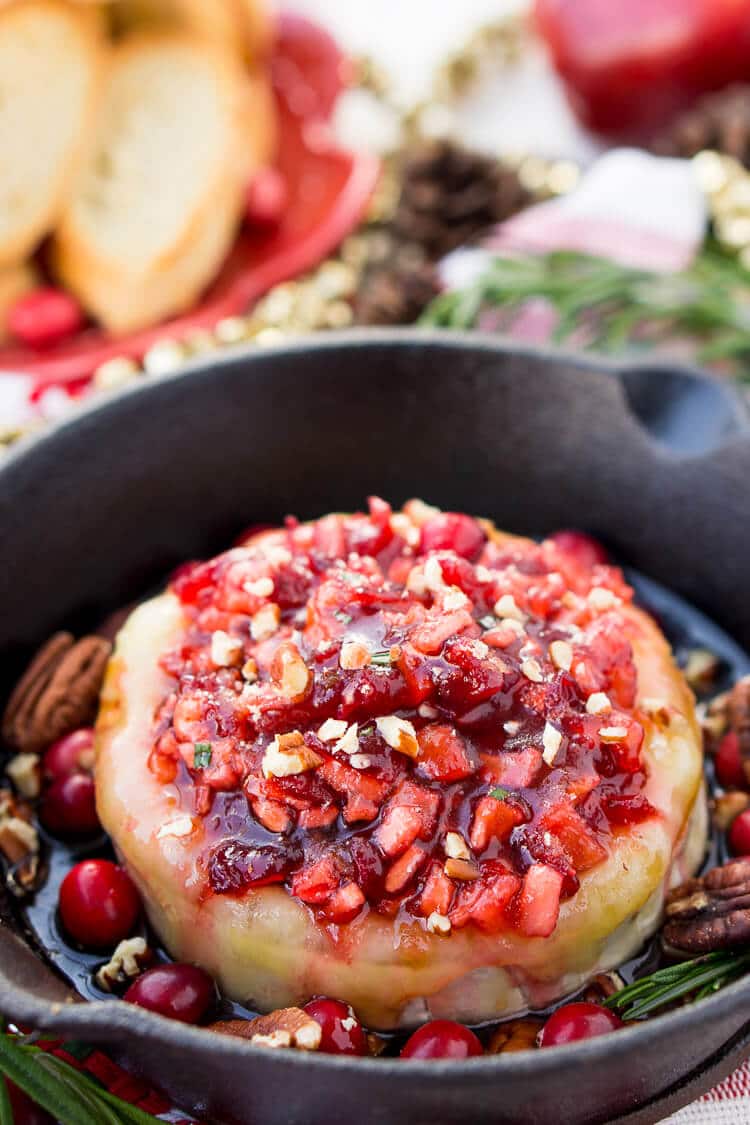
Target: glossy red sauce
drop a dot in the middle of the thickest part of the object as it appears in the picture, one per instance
(469, 649)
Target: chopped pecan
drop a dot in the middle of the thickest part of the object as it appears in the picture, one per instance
(126, 963)
(701, 668)
(58, 692)
(712, 912)
(25, 771)
(19, 843)
(602, 986)
(516, 1035)
(287, 1027)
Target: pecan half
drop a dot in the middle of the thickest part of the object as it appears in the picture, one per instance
(516, 1035)
(58, 692)
(710, 913)
(286, 1027)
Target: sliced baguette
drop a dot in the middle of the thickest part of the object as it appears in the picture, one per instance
(159, 198)
(243, 25)
(51, 60)
(15, 282)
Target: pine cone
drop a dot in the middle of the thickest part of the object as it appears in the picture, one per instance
(396, 290)
(450, 194)
(718, 121)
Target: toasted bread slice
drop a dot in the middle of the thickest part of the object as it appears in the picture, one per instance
(15, 282)
(50, 63)
(243, 25)
(159, 198)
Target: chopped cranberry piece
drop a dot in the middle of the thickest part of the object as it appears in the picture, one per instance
(410, 813)
(316, 883)
(539, 903)
(579, 841)
(179, 992)
(485, 902)
(437, 892)
(494, 820)
(343, 1034)
(401, 873)
(577, 1021)
(443, 754)
(99, 906)
(344, 904)
(453, 531)
(729, 765)
(233, 867)
(584, 549)
(442, 1039)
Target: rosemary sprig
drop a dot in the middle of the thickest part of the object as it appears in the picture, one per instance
(382, 659)
(608, 306)
(697, 978)
(69, 1095)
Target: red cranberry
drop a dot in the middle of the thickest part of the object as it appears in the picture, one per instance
(577, 1021)
(68, 807)
(453, 531)
(45, 317)
(343, 1034)
(729, 763)
(179, 992)
(267, 198)
(99, 906)
(586, 550)
(442, 1039)
(739, 834)
(72, 754)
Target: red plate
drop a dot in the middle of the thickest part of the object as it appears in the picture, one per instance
(328, 188)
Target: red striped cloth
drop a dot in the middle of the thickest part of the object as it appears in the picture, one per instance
(727, 1104)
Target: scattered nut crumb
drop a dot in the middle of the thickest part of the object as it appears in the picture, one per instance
(598, 703)
(265, 622)
(332, 729)
(126, 963)
(561, 655)
(399, 734)
(289, 755)
(463, 869)
(507, 607)
(456, 847)
(532, 670)
(226, 651)
(24, 770)
(551, 741)
(438, 923)
(354, 655)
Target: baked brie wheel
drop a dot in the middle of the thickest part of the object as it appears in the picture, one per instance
(402, 759)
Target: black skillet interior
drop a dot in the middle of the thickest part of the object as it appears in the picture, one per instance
(654, 461)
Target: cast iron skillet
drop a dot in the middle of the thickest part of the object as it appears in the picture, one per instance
(653, 460)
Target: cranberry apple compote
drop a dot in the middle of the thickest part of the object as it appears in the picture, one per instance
(403, 759)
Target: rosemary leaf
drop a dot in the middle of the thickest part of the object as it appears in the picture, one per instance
(6, 1110)
(698, 978)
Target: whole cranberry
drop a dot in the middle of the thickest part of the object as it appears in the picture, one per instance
(587, 551)
(728, 762)
(739, 834)
(343, 1034)
(98, 904)
(453, 531)
(267, 198)
(442, 1039)
(68, 807)
(45, 317)
(72, 754)
(577, 1021)
(179, 992)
